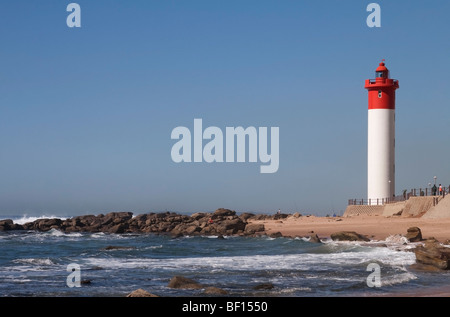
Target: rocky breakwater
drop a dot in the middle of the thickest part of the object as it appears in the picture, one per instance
(221, 222)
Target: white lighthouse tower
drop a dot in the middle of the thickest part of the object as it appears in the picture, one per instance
(381, 137)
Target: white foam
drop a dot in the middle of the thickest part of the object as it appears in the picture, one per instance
(153, 247)
(341, 246)
(73, 234)
(35, 261)
(25, 218)
(396, 239)
(98, 235)
(16, 280)
(308, 261)
(397, 279)
(295, 290)
(55, 233)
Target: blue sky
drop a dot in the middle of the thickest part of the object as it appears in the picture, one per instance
(86, 114)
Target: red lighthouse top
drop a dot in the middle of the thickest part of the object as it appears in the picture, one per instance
(382, 89)
(381, 68)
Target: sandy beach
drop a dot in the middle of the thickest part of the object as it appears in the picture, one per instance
(374, 227)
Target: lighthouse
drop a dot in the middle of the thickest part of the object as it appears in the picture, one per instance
(381, 136)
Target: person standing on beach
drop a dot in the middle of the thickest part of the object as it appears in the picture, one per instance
(434, 189)
(440, 190)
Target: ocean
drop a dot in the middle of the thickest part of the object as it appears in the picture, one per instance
(39, 264)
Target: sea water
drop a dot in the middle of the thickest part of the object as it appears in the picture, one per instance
(35, 264)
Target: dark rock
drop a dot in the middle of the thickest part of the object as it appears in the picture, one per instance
(45, 224)
(246, 215)
(211, 290)
(75, 223)
(72, 229)
(209, 230)
(90, 228)
(113, 219)
(414, 234)
(264, 286)
(199, 215)
(122, 215)
(7, 223)
(348, 236)
(280, 216)
(160, 215)
(119, 228)
(183, 282)
(431, 240)
(115, 247)
(254, 227)
(179, 219)
(192, 229)
(105, 222)
(222, 212)
(141, 293)
(434, 254)
(260, 217)
(85, 220)
(231, 226)
(164, 226)
(29, 226)
(178, 230)
(424, 267)
(276, 235)
(16, 226)
(177, 235)
(140, 218)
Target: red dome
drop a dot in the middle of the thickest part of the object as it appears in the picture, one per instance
(381, 68)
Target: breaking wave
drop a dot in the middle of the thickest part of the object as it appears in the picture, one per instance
(35, 261)
(25, 218)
